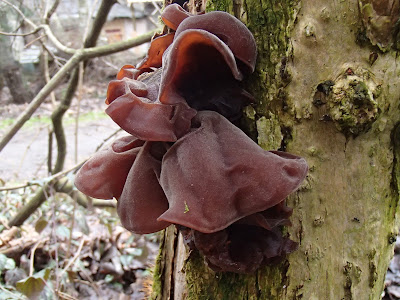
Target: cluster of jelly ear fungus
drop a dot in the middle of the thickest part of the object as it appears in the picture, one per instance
(184, 162)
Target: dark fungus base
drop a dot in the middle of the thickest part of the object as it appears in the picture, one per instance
(184, 162)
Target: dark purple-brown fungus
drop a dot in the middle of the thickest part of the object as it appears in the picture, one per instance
(206, 62)
(241, 179)
(184, 162)
(128, 171)
(133, 105)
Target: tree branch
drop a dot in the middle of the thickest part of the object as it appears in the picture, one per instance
(21, 34)
(59, 76)
(51, 11)
(64, 105)
(62, 185)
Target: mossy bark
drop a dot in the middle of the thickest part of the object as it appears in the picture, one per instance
(325, 92)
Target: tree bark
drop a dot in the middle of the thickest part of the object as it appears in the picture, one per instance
(327, 88)
(13, 78)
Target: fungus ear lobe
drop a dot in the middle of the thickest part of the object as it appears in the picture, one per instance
(154, 55)
(103, 175)
(195, 67)
(143, 200)
(244, 178)
(173, 15)
(151, 121)
(129, 71)
(229, 30)
(117, 88)
(241, 248)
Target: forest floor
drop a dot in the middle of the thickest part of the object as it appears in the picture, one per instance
(63, 250)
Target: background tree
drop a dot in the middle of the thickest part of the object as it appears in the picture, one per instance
(10, 69)
(327, 88)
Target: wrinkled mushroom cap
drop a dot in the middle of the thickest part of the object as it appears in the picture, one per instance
(133, 105)
(173, 15)
(229, 30)
(216, 175)
(142, 199)
(103, 175)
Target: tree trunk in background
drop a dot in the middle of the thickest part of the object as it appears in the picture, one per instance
(13, 79)
(327, 88)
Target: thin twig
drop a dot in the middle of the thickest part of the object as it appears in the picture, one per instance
(34, 40)
(74, 197)
(32, 260)
(50, 151)
(78, 111)
(27, 149)
(53, 231)
(74, 258)
(47, 76)
(51, 11)
(107, 139)
(21, 34)
(65, 295)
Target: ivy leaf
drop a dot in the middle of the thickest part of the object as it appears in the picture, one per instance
(33, 285)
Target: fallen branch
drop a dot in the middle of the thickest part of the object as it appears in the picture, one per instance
(63, 185)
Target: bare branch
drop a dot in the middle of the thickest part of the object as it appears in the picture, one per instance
(59, 76)
(21, 34)
(51, 11)
(62, 185)
(90, 40)
(34, 40)
(55, 41)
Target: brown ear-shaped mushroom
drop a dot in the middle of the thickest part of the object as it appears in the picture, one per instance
(173, 15)
(117, 88)
(150, 121)
(154, 55)
(245, 245)
(239, 248)
(143, 200)
(103, 176)
(129, 71)
(133, 106)
(201, 70)
(228, 29)
(242, 179)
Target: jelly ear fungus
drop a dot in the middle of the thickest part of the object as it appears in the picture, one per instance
(184, 162)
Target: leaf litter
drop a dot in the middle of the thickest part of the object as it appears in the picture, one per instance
(98, 259)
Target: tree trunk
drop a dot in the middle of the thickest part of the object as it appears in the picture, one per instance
(13, 78)
(327, 88)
